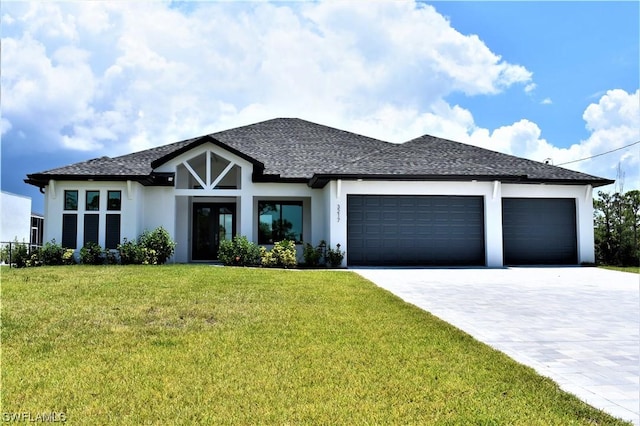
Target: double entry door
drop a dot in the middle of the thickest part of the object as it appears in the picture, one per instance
(212, 223)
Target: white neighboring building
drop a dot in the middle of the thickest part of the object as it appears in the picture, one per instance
(16, 218)
(428, 201)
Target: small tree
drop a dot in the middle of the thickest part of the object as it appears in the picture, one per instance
(617, 224)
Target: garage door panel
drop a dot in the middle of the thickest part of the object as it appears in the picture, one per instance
(539, 231)
(415, 230)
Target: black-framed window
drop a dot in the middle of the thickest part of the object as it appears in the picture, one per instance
(93, 201)
(279, 220)
(112, 231)
(114, 200)
(71, 200)
(70, 231)
(91, 225)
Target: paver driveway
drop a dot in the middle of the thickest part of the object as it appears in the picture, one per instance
(578, 326)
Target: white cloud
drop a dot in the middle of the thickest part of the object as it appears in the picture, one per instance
(91, 66)
(614, 122)
(111, 77)
(546, 101)
(5, 126)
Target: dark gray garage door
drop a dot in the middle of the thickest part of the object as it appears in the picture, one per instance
(415, 230)
(539, 231)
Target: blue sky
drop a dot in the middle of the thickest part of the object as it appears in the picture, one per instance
(541, 80)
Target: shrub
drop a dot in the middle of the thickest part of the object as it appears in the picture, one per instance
(68, 257)
(152, 248)
(335, 257)
(92, 254)
(33, 260)
(130, 253)
(282, 255)
(312, 255)
(4, 254)
(51, 254)
(158, 244)
(20, 256)
(239, 252)
(111, 257)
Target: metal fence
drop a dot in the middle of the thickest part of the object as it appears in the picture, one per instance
(9, 250)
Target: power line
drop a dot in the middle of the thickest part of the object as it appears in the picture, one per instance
(599, 155)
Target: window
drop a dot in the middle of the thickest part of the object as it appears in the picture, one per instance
(93, 201)
(91, 222)
(113, 200)
(279, 220)
(71, 200)
(69, 230)
(112, 237)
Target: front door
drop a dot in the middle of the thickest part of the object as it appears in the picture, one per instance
(212, 223)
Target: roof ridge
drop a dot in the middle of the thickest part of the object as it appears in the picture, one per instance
(495, 152)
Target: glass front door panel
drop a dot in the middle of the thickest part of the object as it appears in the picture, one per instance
(225, 221)
(212, 223)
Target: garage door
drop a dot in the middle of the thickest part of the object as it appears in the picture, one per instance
(415, 230)
(539, 231)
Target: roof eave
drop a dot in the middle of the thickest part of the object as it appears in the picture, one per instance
(200, 141)
(320, 180)
(153, 179)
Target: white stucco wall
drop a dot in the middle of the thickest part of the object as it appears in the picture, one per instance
(15, 212)
(163, 210)
(337, 191)
(54, 208)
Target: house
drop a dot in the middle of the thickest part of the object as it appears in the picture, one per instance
(15, 215)
(428, 201)
(18, 224)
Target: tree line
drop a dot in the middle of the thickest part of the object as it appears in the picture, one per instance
(617, 219)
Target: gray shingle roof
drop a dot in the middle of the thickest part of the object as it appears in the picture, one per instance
(294, 149)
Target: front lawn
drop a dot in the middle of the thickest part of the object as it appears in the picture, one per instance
(192, 344)
(631, 269)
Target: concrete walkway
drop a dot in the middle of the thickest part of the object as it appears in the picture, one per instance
(578, 326)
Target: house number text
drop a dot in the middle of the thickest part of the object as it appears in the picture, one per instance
(338, 212)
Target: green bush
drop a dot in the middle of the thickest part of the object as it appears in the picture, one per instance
(239, 252)
(20, 255)
(110, 257)
(68, 257)
(4, 254)
(130, 253)
(51, 254)
(157, 246)
(282, 255)
(152, 248)
(335, 257)
(92, 254)
(312, 255)
(266, 258)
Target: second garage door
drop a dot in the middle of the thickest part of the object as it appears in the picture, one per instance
(539, 231)
(415, 230)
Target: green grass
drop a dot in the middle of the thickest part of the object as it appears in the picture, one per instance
(632, 269)
(209, 345)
